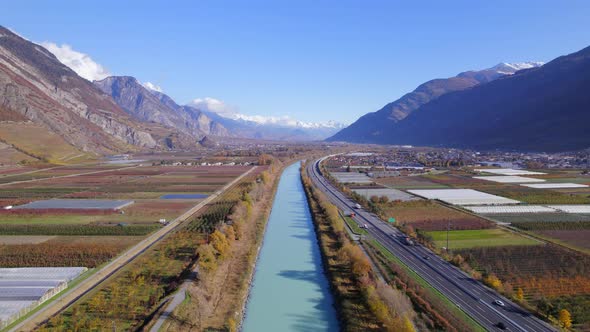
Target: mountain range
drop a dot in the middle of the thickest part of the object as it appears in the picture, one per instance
(543, 108)
(376, 127)
(49, 112)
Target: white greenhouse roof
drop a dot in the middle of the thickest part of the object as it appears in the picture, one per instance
(510, 209)
(508, 171)
(41, 273)
(508, 179)
(555, 185)
(11, 308)
(23, 287)
(572, 208)
(463, 196)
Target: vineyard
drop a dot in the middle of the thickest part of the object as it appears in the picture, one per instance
(78, 230)
(552, 225)
(64, 252)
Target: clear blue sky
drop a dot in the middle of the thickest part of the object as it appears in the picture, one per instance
(312, 60)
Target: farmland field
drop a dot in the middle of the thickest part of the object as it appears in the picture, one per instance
(24, 239)
(409, 182)
(464, 239)
(556, 217)
(431, 216)
(578, 238)
(536, 196)
(81, 237)
(65, 251)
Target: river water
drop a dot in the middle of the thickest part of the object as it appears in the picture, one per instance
(290, 291)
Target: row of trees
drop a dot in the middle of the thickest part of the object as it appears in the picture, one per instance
(77, 230)
(351, 273)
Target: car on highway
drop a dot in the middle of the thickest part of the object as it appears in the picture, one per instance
(502, 326)
(357, 206)
(499, 303)
(426, 257)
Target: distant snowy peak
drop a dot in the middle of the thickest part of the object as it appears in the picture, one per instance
(283, 121)
(511, 68)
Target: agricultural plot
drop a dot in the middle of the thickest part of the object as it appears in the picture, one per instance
(463, 197)
(508, 171)
(554, 217)
(578, 238)
(510, 209)
(536, 196)
(24, 239)
(71, 221)
(409, 182)
(351, 177)
(77, 204)
(464, 239)
(391, 194)
(455, 180)
(509, 179)
(431, 216)
(555, 185)
(88, 251)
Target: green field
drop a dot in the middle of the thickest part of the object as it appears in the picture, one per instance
(466, 239)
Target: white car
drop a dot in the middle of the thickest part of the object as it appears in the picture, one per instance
(499, 303)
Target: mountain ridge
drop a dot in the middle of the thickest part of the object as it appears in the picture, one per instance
(537, 109)
(370, 126)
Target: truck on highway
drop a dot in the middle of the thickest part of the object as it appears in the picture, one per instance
(349, 214)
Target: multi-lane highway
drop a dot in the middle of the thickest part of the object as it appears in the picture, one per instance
(467, 293)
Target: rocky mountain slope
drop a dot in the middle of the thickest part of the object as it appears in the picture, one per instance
(375, 127)
(35, 87)
(153, 106)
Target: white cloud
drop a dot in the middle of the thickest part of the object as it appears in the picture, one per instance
(79, 62)
(213, 105)
(221, 108)
(152, 86)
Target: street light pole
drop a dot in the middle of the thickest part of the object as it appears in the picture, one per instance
(448, 229)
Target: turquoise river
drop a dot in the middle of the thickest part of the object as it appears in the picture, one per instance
(290, 291)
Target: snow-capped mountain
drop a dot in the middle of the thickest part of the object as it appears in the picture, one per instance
(264, 127)
(511, 68)
(283, 121)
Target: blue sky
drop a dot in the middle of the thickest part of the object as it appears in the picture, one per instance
(311, 60)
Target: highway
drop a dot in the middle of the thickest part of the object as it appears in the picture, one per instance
(470, 295)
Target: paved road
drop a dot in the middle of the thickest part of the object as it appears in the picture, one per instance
(470, 295)
(71, 296)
